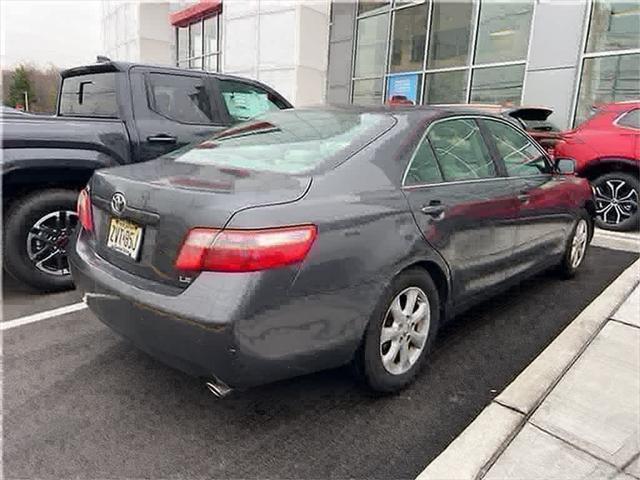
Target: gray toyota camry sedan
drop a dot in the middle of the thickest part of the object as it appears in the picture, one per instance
(307, 239)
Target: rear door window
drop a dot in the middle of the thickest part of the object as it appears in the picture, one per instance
(245, 101)
(423, 167)
(630, 119)
(519, 154)
(181, 98)
(460, 150)
(92, 95)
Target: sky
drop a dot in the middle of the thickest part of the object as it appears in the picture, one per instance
(43, 32)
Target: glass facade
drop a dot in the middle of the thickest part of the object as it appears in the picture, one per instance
(198, 44)
(441, 51)
(610, 69)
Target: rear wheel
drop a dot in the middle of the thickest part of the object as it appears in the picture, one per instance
(616, 196)
(37, 230)
(400, 332)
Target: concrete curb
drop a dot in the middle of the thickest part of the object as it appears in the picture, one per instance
(473, 452)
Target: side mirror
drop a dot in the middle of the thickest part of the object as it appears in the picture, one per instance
(566, 166)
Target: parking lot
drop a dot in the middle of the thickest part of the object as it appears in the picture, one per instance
(81, 402)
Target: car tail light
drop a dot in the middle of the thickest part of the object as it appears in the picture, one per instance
(245, 250)
(85, 215)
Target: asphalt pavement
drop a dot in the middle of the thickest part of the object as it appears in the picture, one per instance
(80, 402)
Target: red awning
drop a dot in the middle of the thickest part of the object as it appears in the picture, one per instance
(195, 12)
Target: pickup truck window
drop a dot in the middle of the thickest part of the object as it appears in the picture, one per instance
(245, 101)
(91, 95)
(181, 98)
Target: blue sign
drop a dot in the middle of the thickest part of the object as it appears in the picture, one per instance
(402, 89)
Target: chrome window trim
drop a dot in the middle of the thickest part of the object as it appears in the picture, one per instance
(473, 180)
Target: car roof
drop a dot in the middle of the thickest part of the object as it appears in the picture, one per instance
(116, 66)
(619, 106)
(413, 110)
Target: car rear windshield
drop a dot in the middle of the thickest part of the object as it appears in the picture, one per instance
(290, 141)
(91, 95)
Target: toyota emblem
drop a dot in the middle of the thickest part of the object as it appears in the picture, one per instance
(118, 203)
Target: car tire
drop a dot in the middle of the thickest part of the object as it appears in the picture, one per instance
(577, 245)
(373, 362)
(611, 186)
(24, 214)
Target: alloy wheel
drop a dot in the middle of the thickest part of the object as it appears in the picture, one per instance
(404, 330)
(579, 243)
(47, 242)
(616, 201)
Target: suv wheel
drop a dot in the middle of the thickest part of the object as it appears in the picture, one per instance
(37, 230)
(616, 196)
(400, 332)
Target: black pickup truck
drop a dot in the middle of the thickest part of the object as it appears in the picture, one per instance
(108, 114)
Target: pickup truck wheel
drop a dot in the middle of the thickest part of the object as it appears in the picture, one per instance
(37, 230)
(616, 196)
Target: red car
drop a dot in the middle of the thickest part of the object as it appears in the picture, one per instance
(606, 149)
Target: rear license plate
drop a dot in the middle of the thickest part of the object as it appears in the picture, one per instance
(124, 237)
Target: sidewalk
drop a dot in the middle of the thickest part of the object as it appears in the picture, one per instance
(574, 413)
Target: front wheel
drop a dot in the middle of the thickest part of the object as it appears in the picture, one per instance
(400, 332)
(577, 245)
(37, 230)
(616, 196)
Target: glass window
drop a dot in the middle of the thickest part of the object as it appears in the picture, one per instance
(630, 119)
(614, 26)
(608, 79)
(445, 87)
(211, 63)
(408, 37)
(502, 85)
(367, 92)
(371, 46)
(368, 6)
(196, 39)
(461, 151)
(183, 43)
(91, 95)
(450, 34)
(289, 141)
(521, 157)
(211, 35)
(245, 101)
(424, 166)
(181, 98)
(503, 32)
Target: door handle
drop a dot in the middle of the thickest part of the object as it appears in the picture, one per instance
(162, 138)
(434, 209)
(524, 196)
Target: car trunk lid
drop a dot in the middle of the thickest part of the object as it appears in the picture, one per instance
(167, 198)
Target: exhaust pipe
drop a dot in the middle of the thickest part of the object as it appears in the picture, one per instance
(218, 388)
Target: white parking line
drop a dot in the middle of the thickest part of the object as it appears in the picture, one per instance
(36, 317)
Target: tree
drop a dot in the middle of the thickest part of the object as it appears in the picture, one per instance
(19, 85)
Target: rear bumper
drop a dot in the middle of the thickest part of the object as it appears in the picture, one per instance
(206, 330)
(151, 323)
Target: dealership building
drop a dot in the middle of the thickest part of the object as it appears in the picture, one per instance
(568, 55)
